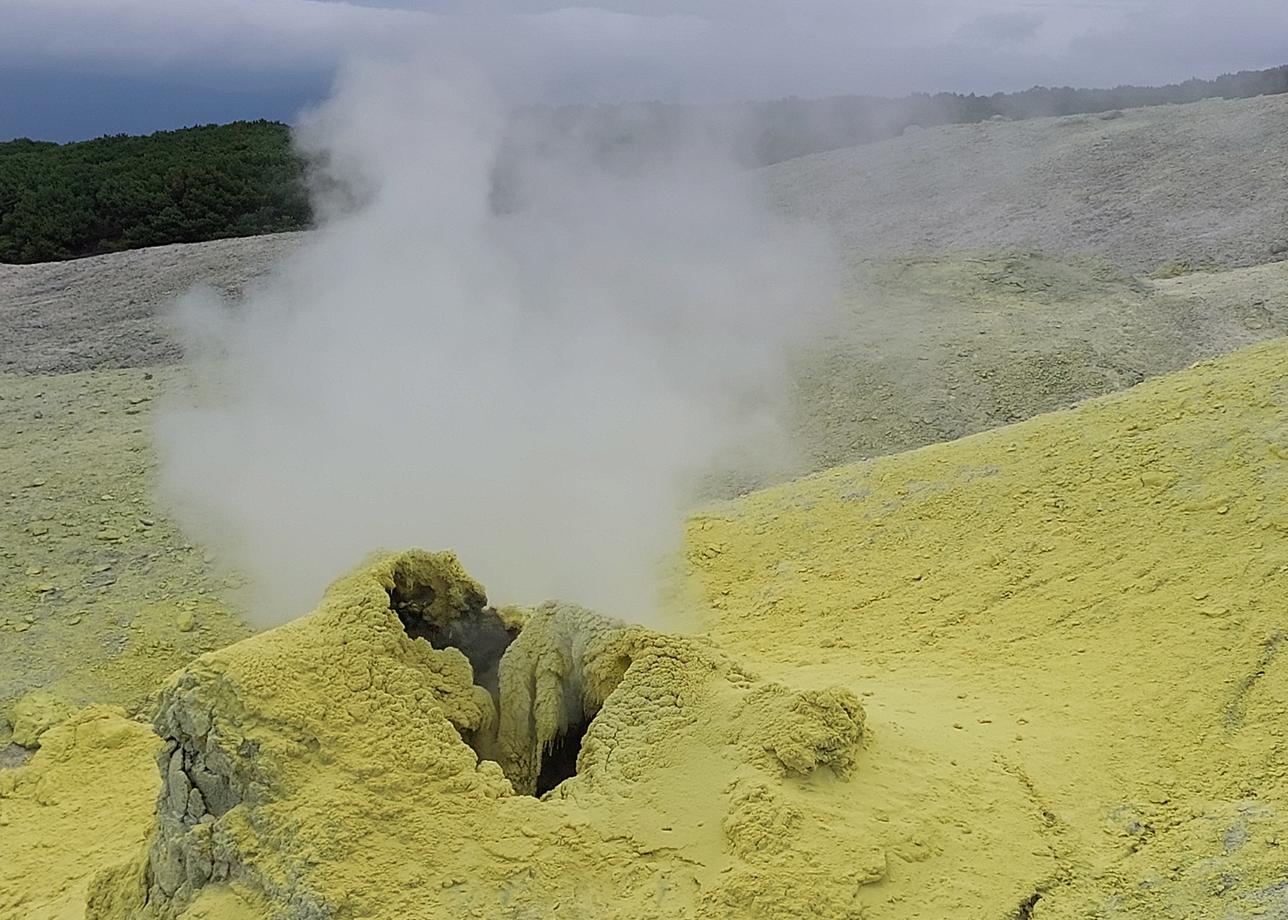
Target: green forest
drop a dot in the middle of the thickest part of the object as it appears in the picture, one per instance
(62, 201)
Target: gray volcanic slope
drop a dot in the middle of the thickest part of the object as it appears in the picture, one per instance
(1205, 183)
(105, 311)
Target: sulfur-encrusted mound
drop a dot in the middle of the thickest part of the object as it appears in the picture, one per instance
(342, 695)
(331, 767)
(806, 730)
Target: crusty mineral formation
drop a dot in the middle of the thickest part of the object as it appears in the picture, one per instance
(380, 758)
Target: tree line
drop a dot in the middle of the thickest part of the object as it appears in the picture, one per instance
(60, 201)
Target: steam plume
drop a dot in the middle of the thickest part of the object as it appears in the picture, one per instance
(504, 342)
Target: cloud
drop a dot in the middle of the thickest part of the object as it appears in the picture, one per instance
(669, 50)
(711, 47)
(1188, 39)
(138, 35)
(1002, 28)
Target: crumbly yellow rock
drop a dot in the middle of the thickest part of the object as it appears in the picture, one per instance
(79, 809)
(34, 714)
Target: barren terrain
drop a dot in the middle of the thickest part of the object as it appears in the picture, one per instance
(1034, 672)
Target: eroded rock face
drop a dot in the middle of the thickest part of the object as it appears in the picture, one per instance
(341, 765)
(344, 691)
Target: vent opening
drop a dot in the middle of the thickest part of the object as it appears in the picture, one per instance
(536, 753)
(478, 633)
(559, 760)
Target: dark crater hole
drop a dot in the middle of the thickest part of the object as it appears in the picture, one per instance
(482, 637)
(559, 760)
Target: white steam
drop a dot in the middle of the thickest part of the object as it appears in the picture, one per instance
(512, 345)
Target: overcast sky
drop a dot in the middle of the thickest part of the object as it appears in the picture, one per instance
(79, 68)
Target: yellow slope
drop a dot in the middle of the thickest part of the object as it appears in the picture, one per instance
(1095, 600)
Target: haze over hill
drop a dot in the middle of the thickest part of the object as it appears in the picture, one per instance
(244, 178)
(969, 305)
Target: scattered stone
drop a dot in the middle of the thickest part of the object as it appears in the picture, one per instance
(35, 714)
(185, 621)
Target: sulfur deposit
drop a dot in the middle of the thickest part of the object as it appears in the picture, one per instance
(78, 810)
(1087, 608)
(1034, 673)
(330, 768)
